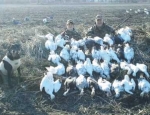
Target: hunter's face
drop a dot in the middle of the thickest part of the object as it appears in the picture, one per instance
(70, 26)
(99, 22)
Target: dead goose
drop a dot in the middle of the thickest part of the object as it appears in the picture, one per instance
(49, 85)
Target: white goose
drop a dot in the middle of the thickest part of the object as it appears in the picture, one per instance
(81, 83)
(105, 55)
(125, 34)
(50, 44)
(117, 87)
(96, 67)
(55, 58)
(80, 68)
(88, 66)
(144, 86)
(81, 55)
(65, 54)
(74, 53)
(59, 69)
(49, 36)
(113, 55)
(59, 40)
(77, 43)
(105, 86)
(125, 66)
(96, 54)
(98, 40)
(106, 69)
(128, 53)
(128, 84)
(134, 68)
(49, 85)
(107, 39)
(143, 68)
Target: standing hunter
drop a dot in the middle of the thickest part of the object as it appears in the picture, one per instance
(99, 29)
(70, 31)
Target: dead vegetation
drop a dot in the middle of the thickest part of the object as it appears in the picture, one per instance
(26, 99)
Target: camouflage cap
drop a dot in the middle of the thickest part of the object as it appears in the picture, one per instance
(70, 21)
(99, 17)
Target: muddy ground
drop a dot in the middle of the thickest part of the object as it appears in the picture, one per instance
(25, 98)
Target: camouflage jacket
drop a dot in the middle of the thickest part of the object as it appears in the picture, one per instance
(71, 34)
(99, 31)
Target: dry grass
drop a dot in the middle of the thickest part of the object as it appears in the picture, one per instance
(25, 98)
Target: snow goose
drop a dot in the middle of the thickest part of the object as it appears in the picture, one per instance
(146, 11)
(49, 36)
(15, 21)
(105, 55)
(125, 34)
(81, 83)
(88, 66)
(117, 87)
(96, 67)
(79, 43)
(107, 39)
(50, 45)
(59, 40)
(96, 53)
(125, 66)
(128, 84)
(134, 68)
(143, 68)
(55, 58)
(93, 85)
(81, 55)
(128, 53)
(106, 69)
(74, 53)
(49, 85)
(59, 69)
(45, 20)
(105, 86)
(80, 68)
(113, 55)
(143, 85)
(98, 40)
(70, 83)
(65, 54)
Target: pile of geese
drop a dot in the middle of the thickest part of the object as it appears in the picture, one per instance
(99, 64)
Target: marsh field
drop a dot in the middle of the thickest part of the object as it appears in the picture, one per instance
(24, 98)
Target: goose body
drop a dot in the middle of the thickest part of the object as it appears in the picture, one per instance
(117, 87)
(143, 68)
(88, 66)
(128, 84)
(81, 83)
(80, 68)
(49, 85)
(65, 54)
(55, 58)
(106, 69)
(144, 86)
(105, 86)
(128, 53)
